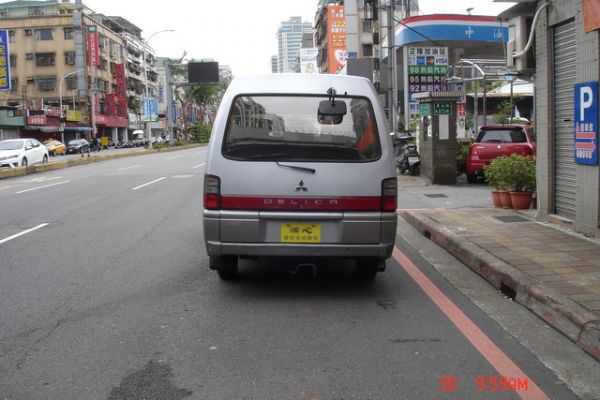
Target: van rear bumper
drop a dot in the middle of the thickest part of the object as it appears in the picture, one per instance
(381, 250)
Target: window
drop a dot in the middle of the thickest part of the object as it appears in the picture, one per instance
(46, 82)
(44, 34)
(113, 68)
(13, 83)
(71, 82)
(13, 60)
(68, 32)
(501, 136)
(286, 128)
(44, 59)
(29, 56)
(69, 57)
(27, 32)
(101, 85)
(103, 64)
(11, 36)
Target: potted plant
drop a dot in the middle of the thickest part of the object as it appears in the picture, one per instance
(493, 175)
(520, 179)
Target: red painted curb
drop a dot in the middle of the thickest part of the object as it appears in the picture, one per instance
(571, 319)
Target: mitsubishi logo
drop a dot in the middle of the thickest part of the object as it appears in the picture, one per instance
(301, 188)
(469, 32)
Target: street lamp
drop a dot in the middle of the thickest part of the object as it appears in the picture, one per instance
(146, 95)
(62, 124)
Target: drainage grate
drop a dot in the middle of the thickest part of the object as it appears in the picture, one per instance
(511, 218)
(436, 195)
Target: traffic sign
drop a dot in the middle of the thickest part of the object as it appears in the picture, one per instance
(586, 123)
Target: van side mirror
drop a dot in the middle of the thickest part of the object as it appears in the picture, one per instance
(331, 112)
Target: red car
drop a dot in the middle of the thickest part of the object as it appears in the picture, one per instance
(495, 141)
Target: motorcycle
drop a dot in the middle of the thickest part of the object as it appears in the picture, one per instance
(406, 156)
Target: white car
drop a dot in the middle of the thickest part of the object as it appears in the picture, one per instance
(22, 152)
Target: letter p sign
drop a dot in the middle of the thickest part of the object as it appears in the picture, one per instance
(586, 99)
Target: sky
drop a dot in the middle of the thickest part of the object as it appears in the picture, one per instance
(238, 33)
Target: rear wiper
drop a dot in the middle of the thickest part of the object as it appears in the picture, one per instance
(311, 170)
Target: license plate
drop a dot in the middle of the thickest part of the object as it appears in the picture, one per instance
(292, 232)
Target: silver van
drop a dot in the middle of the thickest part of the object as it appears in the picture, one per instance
(300, 167)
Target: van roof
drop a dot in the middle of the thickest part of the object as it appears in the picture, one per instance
(301, 83)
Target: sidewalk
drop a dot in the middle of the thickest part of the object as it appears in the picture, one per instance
(552, 272)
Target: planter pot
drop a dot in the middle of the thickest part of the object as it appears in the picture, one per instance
(521, 200)
(505, 199)
(496, 199)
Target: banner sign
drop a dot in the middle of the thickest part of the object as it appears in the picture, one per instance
(336, 38)
(120, 82)
(34, 104)
(74, 115)
(93, 49)
(4, 61)
(586, 123)
(308, 60)
(150, 110)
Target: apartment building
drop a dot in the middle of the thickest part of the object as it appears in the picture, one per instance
(51, 65)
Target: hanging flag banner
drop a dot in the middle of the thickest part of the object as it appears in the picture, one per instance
(93, 50)
(4, 61)
(150, 109)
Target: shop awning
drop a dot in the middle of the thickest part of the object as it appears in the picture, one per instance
(42, 128)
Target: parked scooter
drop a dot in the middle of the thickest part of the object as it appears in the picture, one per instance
(405, 154)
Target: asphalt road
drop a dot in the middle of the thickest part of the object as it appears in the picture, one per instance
(105, 293)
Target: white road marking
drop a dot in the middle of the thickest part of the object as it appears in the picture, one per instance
(133, 166)
(42, 187)
(182, 176)
(174, 157)
(23, 233)
(201, 152)
(149, 183)
(199, 165)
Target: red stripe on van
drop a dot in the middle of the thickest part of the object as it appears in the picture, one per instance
(301, 203)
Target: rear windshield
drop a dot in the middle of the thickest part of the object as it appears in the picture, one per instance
(286, 128)
(501, 136)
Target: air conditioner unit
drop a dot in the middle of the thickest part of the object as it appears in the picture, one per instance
(518, 32)
(29, 56)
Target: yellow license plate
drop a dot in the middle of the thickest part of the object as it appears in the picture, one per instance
(300, 233)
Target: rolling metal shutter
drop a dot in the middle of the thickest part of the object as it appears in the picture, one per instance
(565, 171)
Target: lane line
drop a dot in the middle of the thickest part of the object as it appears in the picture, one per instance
(488, 349)
(199, 165)
(23, 233)
(174, 157)
(201, 152)
(42, 187)
(149, 183)
(126, 168)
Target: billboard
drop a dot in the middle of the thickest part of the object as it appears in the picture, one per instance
(93, 49)
(150, 109)
(4, 61)
(336, 38)
(203, 72)
(308, 60)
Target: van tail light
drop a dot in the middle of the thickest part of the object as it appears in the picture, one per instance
(212, 192)
(389, 194)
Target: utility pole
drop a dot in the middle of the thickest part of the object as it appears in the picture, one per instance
(392, 68)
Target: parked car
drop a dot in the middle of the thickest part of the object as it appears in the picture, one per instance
(495, 141)
(78, 146)
(300, 167)
(55, 147)
(22, 152)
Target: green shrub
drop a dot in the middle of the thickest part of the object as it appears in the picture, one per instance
(514, 172)
(200, 133)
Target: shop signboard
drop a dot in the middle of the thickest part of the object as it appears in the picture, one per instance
(442, 108)
(4, 61)
(586, 123)
(427, 71)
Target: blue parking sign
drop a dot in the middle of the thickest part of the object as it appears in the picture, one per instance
(586, 123)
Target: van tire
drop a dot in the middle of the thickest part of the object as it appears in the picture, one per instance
(226, 266)
(367, 267)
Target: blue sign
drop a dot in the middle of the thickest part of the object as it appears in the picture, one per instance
(4, 61)
(150, 109)
(586, 123)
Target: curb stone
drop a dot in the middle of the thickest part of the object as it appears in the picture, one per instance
(571, 319)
